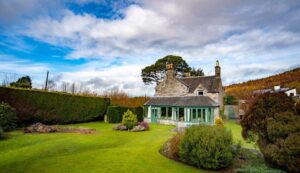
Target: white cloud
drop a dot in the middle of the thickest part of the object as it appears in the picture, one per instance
(250, 38)
(164, 26)
(125, 78)
(12, 68)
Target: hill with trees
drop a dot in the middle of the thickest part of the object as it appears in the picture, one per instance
(289, 79)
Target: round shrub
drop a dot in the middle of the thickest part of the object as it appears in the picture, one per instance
(115, 113)
(219, 122)
(8, 117)
(129, 119)
(208, 147)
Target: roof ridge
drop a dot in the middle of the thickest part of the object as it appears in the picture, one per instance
(177, 96)
(196, 77)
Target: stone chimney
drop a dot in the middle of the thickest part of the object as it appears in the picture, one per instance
(187, 74)
(218, 75)
(218, 69)
(170, 70)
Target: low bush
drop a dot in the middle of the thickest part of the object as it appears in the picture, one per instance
(115, 113)
(144, 124)
(129, 119)
(219, 122)
(171, 148)
(52, 107)
(8, 117)
(208, 147)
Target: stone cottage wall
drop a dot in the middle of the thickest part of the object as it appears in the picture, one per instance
(171, 87)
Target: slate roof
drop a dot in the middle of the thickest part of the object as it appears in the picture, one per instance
(263, 91)
(209, 82)
(181, 101)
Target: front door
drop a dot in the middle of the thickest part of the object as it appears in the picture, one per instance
(154, 116)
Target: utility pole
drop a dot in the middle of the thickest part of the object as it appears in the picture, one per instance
(46, 83)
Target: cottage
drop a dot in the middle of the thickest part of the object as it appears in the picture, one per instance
(187, 100)
(292, 92)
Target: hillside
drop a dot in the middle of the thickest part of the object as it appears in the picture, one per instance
(289, 78)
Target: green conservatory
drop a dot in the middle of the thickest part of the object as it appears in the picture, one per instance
(181, 111)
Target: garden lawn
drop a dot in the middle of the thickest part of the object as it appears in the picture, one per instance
(106, 151)
(236, 130)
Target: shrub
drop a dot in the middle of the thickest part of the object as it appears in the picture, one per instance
(171, 148)
(1, 133)
(129, 119)
(115, 113)
(8, 117)
(208, 147)
(52, 107)
(230, 100)
(144, 124)
(273, 119)
(219, 122)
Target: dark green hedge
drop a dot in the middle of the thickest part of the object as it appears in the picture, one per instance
(53, 107)
(115, 113)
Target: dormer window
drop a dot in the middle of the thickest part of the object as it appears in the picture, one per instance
(200, 93)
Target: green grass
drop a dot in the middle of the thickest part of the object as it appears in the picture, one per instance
(236, 130)
(106, 151)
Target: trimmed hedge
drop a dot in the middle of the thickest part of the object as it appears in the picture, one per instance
(115, 113)
(53, 107)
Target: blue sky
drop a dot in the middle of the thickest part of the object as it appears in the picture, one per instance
(103, 45)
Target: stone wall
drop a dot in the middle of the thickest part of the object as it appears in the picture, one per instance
(171, 87)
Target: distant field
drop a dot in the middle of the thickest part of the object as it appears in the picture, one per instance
(106, 151)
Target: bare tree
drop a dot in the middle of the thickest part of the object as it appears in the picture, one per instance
(51, 84)
(73, 89)
(64, 86)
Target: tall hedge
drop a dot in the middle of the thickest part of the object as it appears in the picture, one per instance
(53, 107)
(114, 113)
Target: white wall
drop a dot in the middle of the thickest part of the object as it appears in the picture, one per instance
(293, 91)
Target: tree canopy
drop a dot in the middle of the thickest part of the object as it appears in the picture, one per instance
(156, 72)
(23, 82)
(196, 72)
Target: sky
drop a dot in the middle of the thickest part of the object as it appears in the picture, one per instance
(104, 44)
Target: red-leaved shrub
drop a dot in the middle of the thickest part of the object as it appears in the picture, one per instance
(144, 124)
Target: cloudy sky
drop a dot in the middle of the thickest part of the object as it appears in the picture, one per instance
(104, 44)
